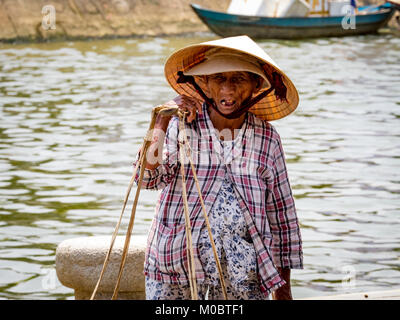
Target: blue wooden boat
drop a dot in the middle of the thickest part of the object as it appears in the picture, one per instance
(368, 20)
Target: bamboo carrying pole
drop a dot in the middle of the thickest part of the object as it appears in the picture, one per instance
(188, 228)
(167, 111)
(141, 161)
(220, 273)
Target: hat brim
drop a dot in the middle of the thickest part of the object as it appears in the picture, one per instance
(226, 62)
(269, 108)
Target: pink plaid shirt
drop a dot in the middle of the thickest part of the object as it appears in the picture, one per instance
(256, 166)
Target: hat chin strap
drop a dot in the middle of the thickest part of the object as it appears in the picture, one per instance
(247, 104)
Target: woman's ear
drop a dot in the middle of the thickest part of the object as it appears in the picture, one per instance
(258, 84)
(202, 81)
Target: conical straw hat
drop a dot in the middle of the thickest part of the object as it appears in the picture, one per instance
(269, 108)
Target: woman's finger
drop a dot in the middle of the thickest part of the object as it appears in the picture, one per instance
(190, 116)
(187, 104)
(197, 105)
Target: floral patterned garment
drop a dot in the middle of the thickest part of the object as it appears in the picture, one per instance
(261, 184)
(235, 251)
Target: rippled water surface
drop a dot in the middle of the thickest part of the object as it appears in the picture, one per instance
(73, 114)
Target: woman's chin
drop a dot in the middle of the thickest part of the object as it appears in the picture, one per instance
(227, 109)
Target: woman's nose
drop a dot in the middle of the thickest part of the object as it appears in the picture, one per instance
(227, 87)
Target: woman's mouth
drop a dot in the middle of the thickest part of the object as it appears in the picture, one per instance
(228, 103)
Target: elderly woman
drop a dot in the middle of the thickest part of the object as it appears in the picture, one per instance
(229, 88)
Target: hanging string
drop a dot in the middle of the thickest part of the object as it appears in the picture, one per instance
(184, 146)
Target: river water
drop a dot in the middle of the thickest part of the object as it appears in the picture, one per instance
(73, 114)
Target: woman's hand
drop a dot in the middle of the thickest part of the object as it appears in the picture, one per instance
(187, 104)
(284, 292)
(184, 103)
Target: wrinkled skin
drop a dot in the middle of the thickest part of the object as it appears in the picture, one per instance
(228, 90)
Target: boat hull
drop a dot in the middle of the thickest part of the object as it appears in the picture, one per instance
(226, 25)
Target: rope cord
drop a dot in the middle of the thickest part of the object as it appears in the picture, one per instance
(221, 278)
(167, 111)
(189, 244)
(275, 80)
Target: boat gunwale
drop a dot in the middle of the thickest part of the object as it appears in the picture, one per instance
(229, 17)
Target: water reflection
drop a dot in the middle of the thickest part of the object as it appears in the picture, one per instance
(73, 115)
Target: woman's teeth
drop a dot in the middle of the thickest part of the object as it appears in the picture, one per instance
(227, 103)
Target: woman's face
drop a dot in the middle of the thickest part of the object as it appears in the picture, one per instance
(230, 89)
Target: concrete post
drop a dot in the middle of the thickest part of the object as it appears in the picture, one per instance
(79, 262)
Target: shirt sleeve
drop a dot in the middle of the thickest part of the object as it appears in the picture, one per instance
(286, 238)
(160, 177)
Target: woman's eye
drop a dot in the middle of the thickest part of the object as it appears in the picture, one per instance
(238, 79)
(218, 78)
